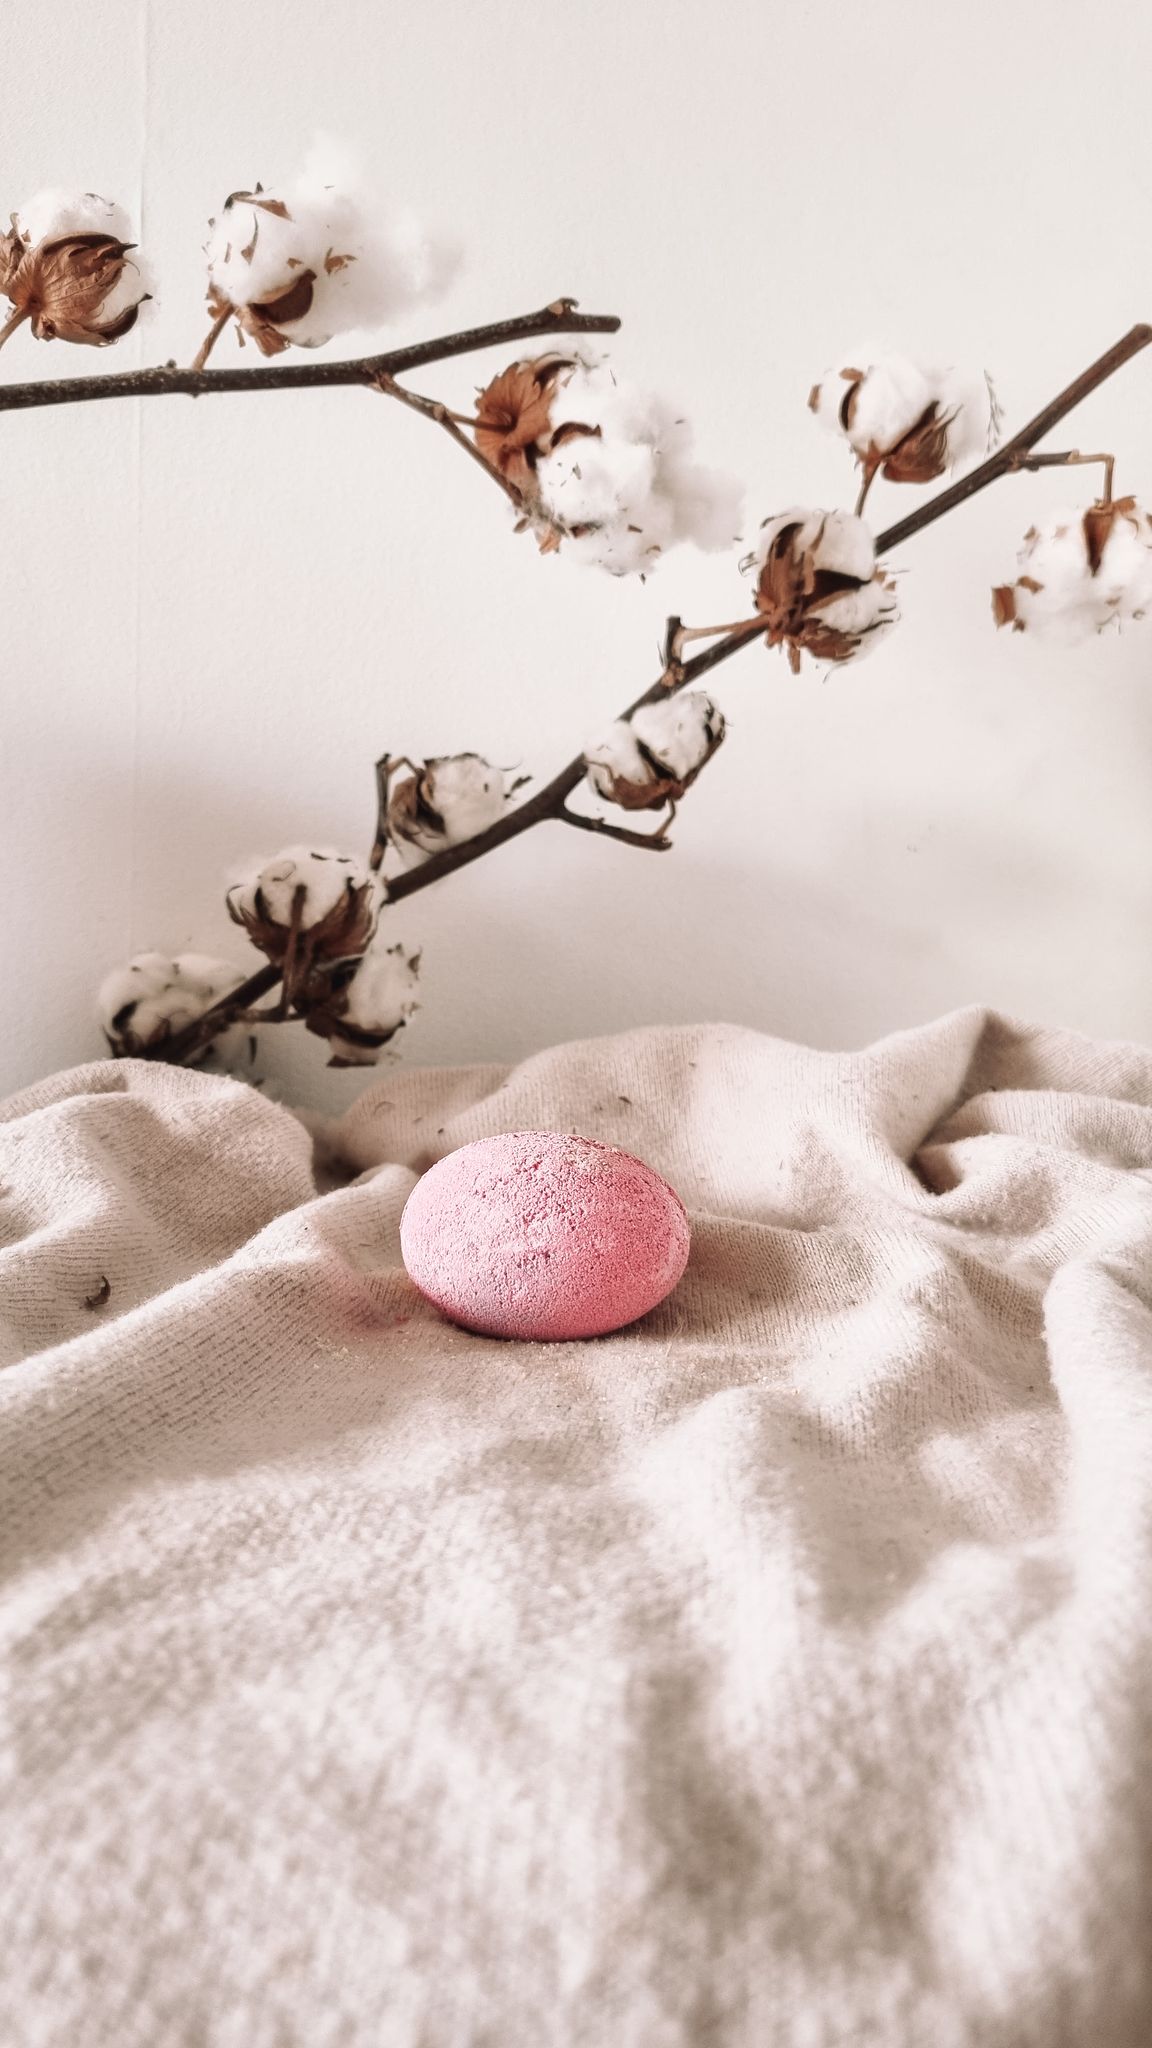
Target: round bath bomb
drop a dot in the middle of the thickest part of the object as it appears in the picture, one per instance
(535, 1234)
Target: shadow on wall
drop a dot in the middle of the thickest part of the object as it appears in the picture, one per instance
(566, 937)
(634, 939)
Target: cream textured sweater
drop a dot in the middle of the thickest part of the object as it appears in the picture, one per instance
(774, 1674)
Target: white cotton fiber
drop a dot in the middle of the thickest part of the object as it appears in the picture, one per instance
(631, 479)
(681, 731)
(875, 402)
(378, 1001)
(382, 992)
(1056, 596)
(54, 215)
(888, 402)
(1124, 578)
(466, 793)
(615, 755)
(836, 540)
(369, 263)
(967, 400)
(866, 614)
(469, 794)
(325, 872)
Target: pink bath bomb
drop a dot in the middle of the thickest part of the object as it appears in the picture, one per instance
(535, 1234)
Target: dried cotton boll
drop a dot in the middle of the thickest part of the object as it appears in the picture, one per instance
(907, 420)
(620, 476)
(602, 467)
(452, 798)
(651, 759)
(367, 1005)
(278, 268)
(324, 902)
(876, 406)
(300, 264)
(1079, 572)
(819, 585)
(68, 265)
(836, 542)
(618, 770)
(157, 995)
(681, 733)
(514, 421)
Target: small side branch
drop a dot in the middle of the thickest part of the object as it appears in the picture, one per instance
(866, 482)
(742, 629)
(1069, 459)
(656, 841)
(431, 409)
(211, 338)
(17, 320)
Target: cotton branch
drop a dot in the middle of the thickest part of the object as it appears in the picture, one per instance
(558, 317)
(551, 802)
(677, 674)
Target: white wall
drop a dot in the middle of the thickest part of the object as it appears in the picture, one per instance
(216, 615)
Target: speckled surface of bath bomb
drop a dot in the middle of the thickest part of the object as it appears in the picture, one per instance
(539, 1235)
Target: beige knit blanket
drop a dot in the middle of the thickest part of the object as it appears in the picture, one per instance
(776, 1674)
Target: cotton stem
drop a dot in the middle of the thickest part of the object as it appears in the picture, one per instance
(16, 320)
(211, 338)
(655, 841)
(442, 417)
(1070, 459)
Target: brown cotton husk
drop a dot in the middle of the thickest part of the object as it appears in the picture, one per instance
(263, 322)
(412, 816)
(652, 758)
(920, 456)
(643, 796)
(795, 592)
(648, 796)
(62, 286)
(342, 933)
(514, 422)
(787, 579)
(351, 1045)
(325, 1004)
(446, 799)
(663, 788)
(1099, 521)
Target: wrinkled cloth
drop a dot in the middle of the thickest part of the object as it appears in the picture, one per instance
(776, 1673)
